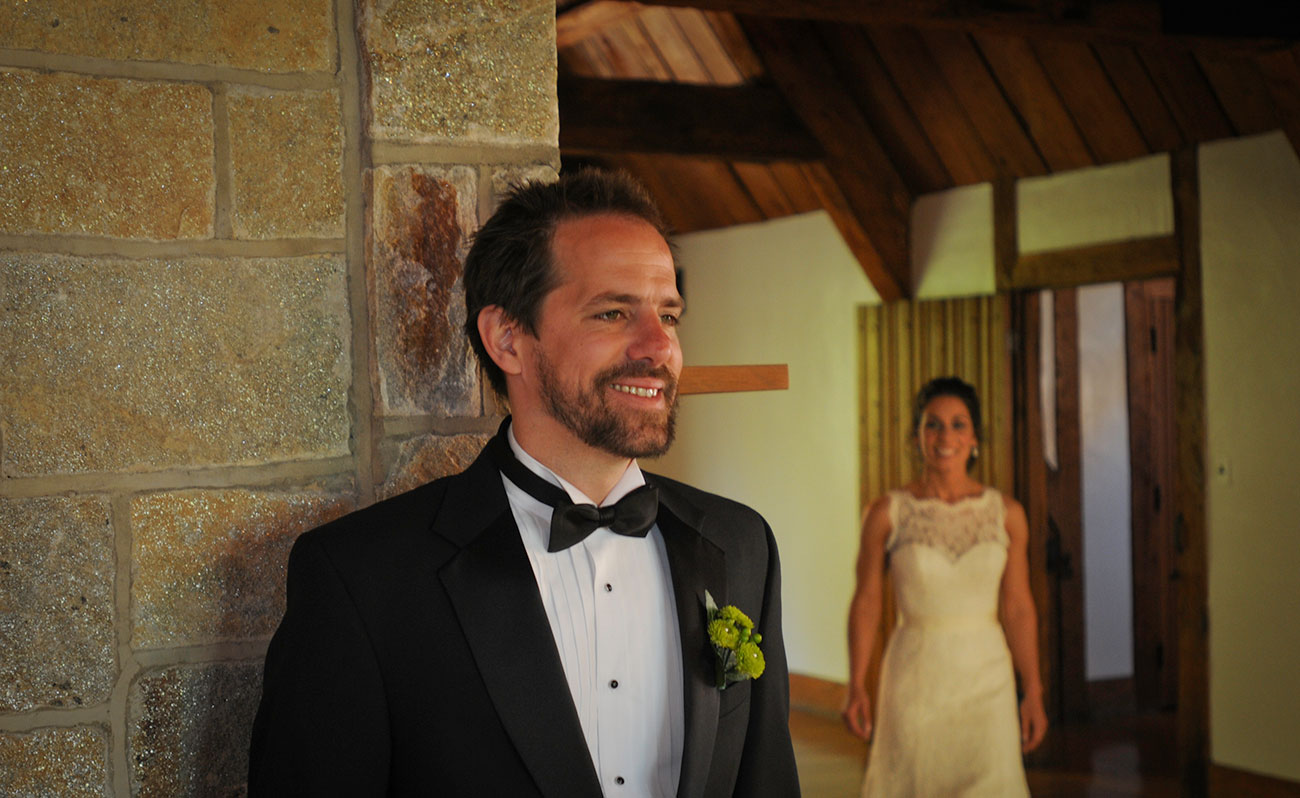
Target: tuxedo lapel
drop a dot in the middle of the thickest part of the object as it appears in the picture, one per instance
(697, 565)
(494, 594)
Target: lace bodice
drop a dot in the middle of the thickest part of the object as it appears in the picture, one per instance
(952, 528)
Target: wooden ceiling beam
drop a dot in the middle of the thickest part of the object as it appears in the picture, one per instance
(863, 192)
(576, 23)
(744, 123)
(1256, 25)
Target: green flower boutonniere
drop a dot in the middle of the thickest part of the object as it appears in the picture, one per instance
(735, 644)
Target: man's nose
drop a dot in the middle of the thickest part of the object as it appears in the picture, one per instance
(651, 341)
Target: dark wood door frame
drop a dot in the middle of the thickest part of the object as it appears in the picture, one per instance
(1176, 256)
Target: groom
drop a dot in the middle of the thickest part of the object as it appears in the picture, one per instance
(492, 633)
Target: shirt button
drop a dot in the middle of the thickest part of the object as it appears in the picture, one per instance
(609, 588)
(613, 683)
(618, 780)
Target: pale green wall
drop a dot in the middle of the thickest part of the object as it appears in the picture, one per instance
(785, 291)
(1115, 202)
(1250, 228)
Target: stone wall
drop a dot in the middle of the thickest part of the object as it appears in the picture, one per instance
(231, 237)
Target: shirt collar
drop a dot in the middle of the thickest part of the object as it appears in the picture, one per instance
(631, 480)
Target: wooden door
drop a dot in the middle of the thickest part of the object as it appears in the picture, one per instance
(1149, 308)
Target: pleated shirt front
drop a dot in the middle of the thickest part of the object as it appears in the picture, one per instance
(609, 601)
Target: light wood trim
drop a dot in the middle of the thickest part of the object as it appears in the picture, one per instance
(1137, 259)
(727, 379)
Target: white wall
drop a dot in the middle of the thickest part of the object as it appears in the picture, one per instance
(785, 291)
(1250, 234)
(1107, 525)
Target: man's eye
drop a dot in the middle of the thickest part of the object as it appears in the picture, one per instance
(670, 320)
(610, 315)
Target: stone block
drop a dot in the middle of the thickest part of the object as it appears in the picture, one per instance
(208, 566)
(286, 152)
(56, 603)
(417, 230)
(117, 365)
(118, 158)
(460, 70)
(188, 729)
(263, 35)
(424, 459)
(65, 762)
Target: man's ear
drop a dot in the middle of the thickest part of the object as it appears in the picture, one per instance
(500, 333)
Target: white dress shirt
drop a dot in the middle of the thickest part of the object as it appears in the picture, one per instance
(609, 600)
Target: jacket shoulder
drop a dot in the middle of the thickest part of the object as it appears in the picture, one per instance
(679, 494)
(389, 528)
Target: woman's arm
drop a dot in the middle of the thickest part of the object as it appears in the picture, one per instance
(864, 614)
(1020, 623)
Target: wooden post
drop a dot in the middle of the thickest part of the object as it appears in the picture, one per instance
(1189, 493)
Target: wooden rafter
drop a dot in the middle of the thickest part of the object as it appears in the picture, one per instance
(868, 200)
(743, 123)
(1258, 25)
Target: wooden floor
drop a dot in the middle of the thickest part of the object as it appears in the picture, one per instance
(1114, 759)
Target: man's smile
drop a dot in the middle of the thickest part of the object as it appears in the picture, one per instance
(648, 393)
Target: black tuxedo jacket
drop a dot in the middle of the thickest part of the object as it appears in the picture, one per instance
(415, 657)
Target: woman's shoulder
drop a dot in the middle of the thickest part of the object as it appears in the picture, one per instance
(1009, 503)
(879, 506)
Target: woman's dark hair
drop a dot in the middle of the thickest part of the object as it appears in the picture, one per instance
(955, 387)
(510, 263)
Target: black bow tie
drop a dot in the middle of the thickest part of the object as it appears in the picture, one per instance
(632, 515)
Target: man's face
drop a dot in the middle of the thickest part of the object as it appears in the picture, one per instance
(606, 356)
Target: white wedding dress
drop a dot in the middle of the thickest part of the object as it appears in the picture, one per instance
(947, 722)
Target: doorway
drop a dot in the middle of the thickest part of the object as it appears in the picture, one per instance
(1095, 438)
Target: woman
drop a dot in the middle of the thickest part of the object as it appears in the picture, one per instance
(946, 722)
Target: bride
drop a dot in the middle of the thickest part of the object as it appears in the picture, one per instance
(947, 721)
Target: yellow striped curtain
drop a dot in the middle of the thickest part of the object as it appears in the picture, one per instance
(903, 344)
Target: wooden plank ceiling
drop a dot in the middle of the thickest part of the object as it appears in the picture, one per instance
(735, 111)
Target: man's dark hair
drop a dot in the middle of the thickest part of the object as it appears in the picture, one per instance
(511, 263)
(955, 387)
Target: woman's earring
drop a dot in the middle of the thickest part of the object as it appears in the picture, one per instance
(975, 451)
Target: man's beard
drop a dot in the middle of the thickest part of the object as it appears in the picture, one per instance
(621, 431)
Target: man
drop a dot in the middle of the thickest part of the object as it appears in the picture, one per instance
(493, 633)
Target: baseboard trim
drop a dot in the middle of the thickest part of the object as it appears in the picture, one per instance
(811, 694)
(1231, 782)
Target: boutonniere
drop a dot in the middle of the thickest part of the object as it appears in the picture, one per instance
(735, 644)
